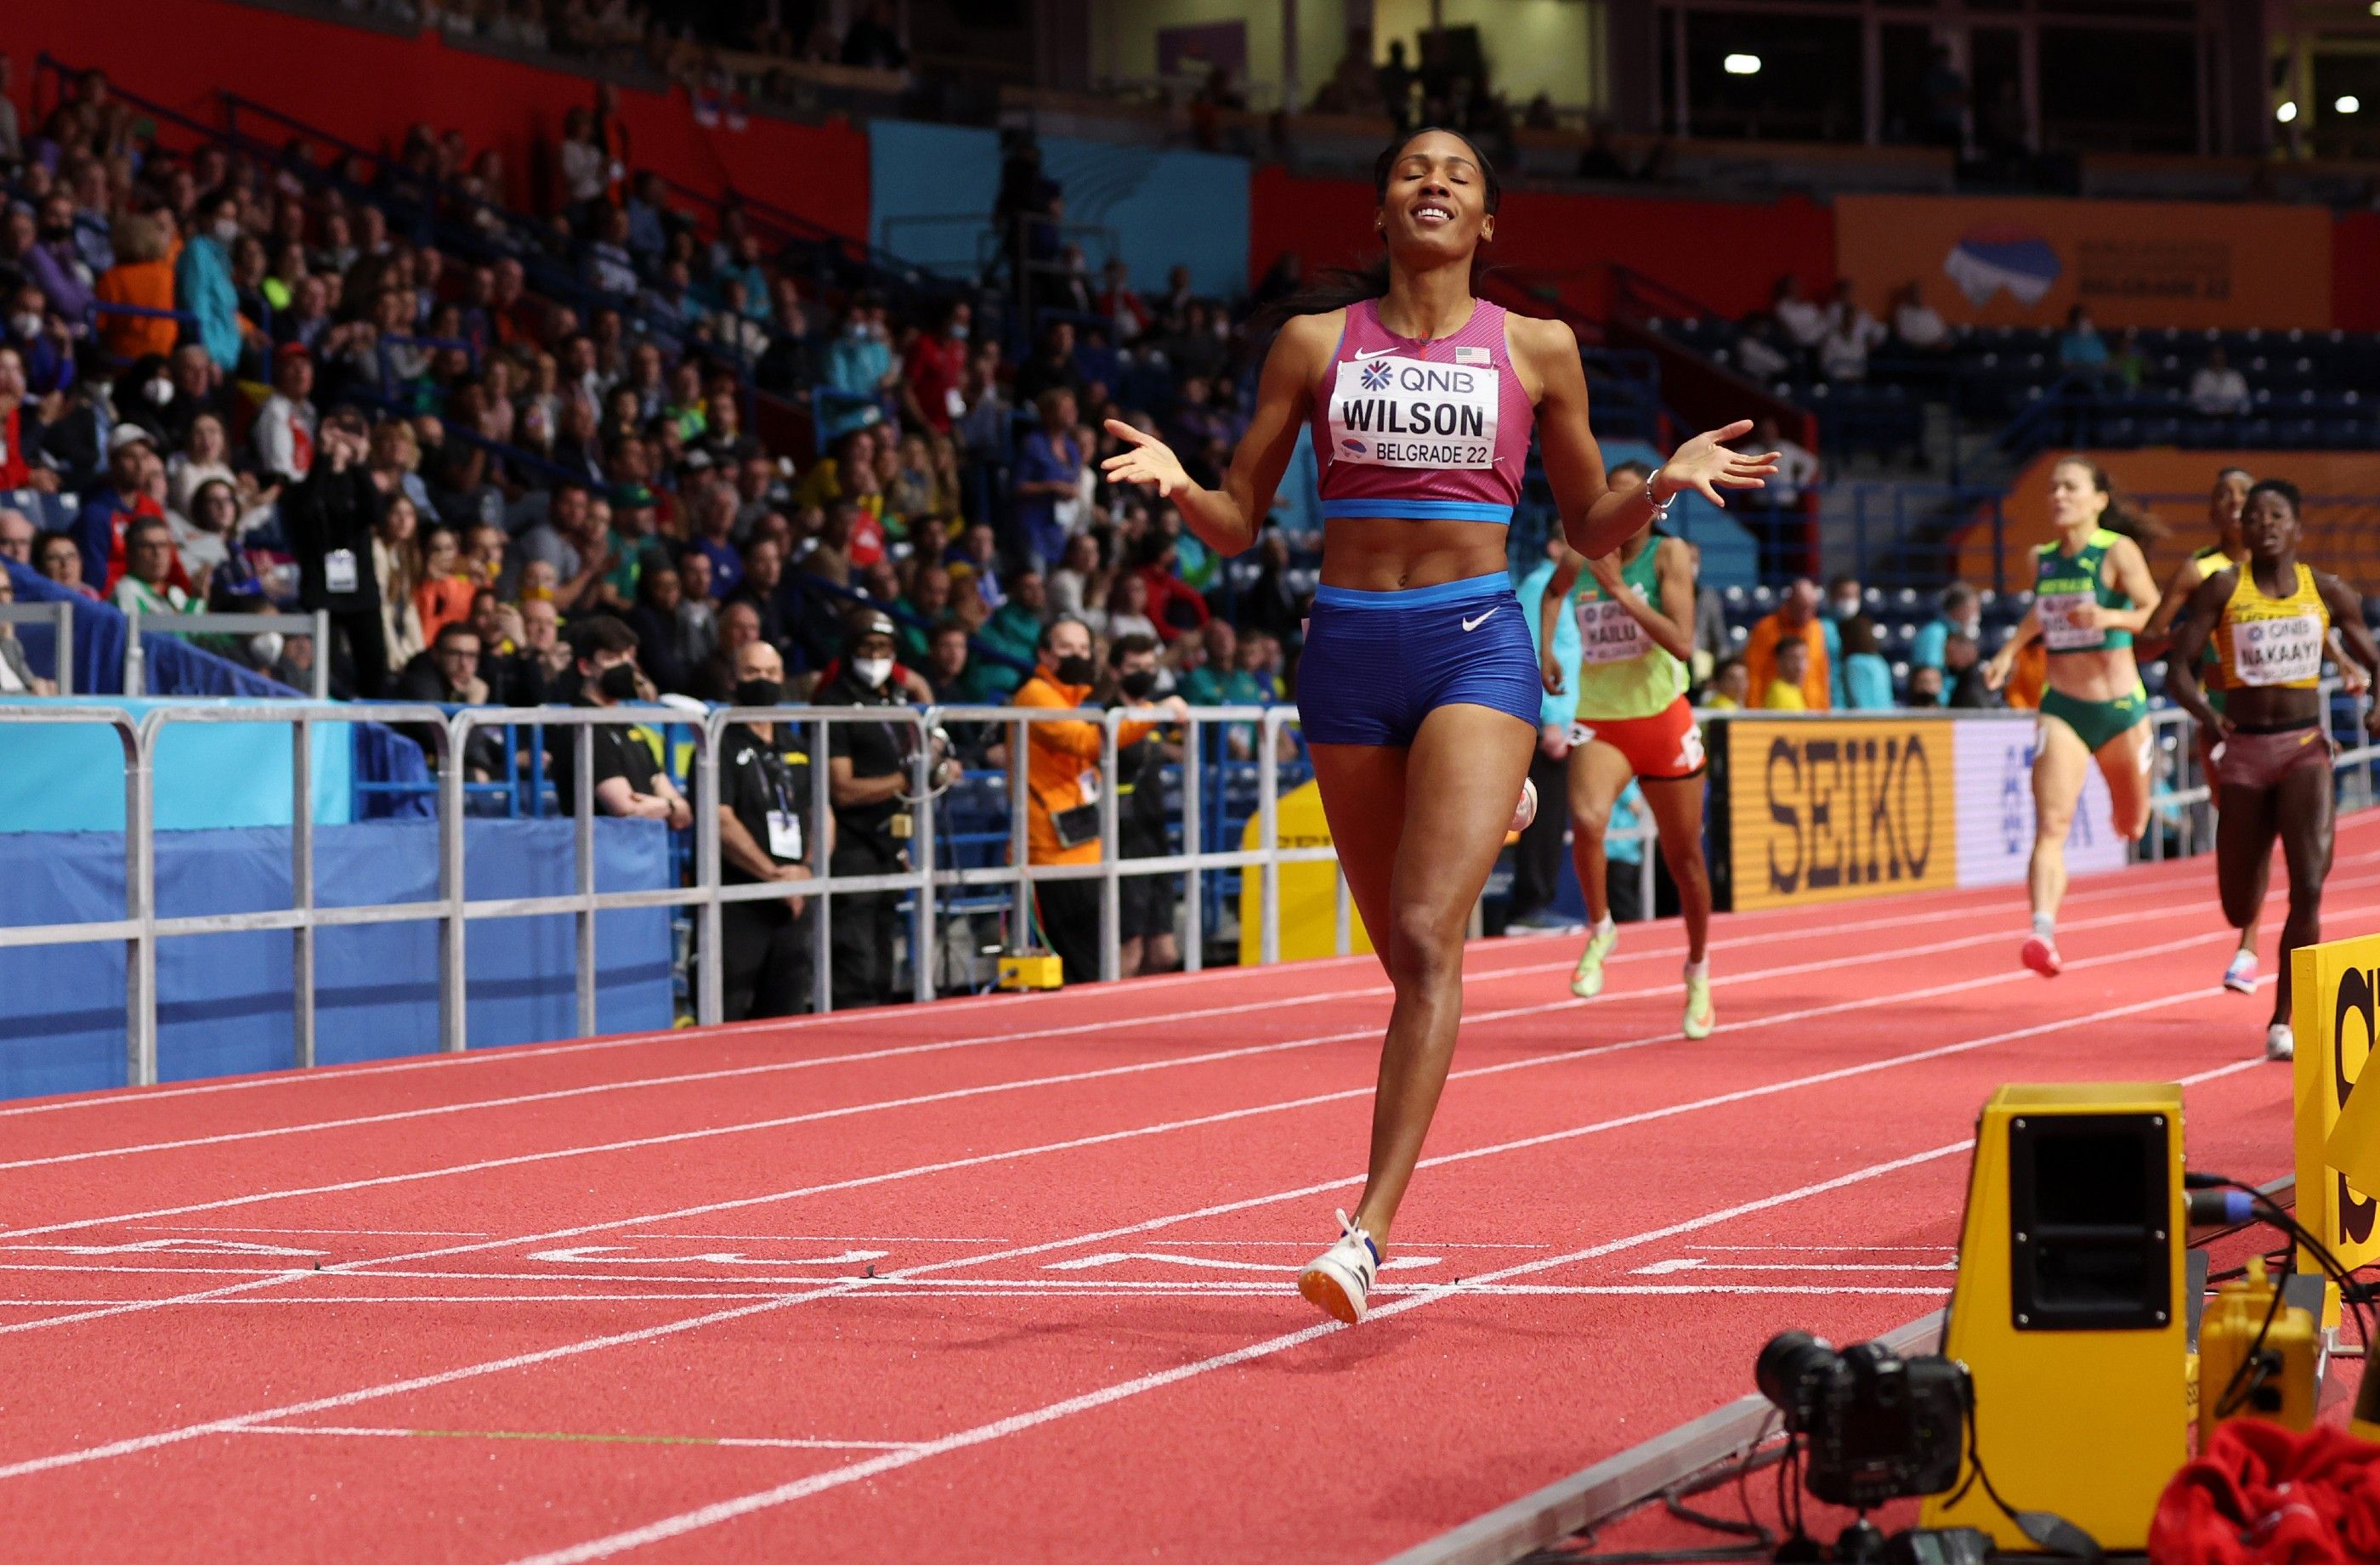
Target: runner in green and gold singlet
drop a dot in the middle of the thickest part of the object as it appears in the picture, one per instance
(2092, 593)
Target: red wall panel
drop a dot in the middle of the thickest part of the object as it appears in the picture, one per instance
(2355, 271)
(369, 86)
(1728, 255)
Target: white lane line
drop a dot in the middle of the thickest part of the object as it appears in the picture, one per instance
(1696, 1263)
(1064, 1078)
(1666, 928)
(997, 1429)
(550, 1094)
(1185, 1289)
(1016, 1424)
(398, 1233)
(1101, 1138)
(133, 1444)
(752, 1441)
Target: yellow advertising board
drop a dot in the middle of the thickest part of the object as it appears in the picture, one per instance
(1309, 896)
(2020, 261)
(1830, 811)
(2335, 1011)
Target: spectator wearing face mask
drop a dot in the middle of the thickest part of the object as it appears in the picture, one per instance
(202, 283)
(627, 780)
(764, 836)
(1062, 781)
(1145, 902)
(1866, 678)
(868, 780)
(330, 520)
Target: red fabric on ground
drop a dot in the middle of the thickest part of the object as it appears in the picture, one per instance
(2263, 1495)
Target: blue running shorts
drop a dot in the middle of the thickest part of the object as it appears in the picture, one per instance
(1376, 663)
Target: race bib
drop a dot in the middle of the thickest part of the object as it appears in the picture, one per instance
(2287, 650)
(1607, 633)
(2059, 631)
(1393, 412)
(339, 571)
(784, 836)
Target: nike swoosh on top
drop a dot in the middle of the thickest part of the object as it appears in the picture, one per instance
(1474, 624)
(1372, 353)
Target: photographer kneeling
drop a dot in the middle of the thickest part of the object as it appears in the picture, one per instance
(1062, 777)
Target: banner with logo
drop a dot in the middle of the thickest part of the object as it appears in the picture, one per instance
(1821, 810)
(1993, 789)
(2335, 1010)
(2014, 261)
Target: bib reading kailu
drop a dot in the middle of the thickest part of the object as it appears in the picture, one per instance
(2285, 649)
(1607, 633)
(1388, 411)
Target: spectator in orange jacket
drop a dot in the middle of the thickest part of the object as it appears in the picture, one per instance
(143, 275)
(1062, 780)
(1796, 618)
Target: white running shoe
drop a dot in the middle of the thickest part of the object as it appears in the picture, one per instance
(2240, 977)
(2280, 1042)
(1339, 1281)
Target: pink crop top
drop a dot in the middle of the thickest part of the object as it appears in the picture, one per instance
(1423, 430)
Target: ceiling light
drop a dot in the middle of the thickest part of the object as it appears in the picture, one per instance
(1749, 65)
(2286, 113)
(2348, 104)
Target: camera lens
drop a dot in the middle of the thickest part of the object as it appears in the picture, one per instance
(1788, 1366)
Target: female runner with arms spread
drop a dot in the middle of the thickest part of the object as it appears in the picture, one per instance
(1418, 691)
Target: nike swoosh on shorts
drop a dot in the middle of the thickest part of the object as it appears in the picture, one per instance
(1474, 624)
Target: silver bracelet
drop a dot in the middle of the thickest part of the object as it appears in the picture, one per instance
(1660, 507)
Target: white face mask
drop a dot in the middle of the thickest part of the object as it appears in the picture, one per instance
(26, 326)
(872, 672)
(158, 391)
(226, 232)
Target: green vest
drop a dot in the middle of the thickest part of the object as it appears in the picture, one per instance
(2063, 582)
(1623, 671)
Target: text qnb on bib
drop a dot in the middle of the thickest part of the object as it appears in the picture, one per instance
(1390, 411)
(2283, 651)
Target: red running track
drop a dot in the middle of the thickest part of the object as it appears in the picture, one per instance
(1013, 1279)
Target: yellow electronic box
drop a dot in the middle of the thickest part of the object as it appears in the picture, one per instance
(2070, 1308)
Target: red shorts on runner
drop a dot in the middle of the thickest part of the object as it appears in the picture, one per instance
(1665, 747)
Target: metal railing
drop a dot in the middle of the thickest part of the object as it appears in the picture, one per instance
(58, 615)
(922, 879)
(137, 624)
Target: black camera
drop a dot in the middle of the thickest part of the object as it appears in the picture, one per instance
(1876, 1426)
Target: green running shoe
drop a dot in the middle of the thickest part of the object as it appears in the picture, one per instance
(1586, 978)
(1700, 1018)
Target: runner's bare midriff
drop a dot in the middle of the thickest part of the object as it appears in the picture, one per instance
(1393, 554)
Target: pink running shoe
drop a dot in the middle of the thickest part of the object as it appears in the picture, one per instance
(2041, 955)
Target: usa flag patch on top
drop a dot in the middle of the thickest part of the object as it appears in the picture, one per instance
(1471, 355)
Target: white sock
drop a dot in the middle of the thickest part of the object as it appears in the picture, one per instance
(1698, 970)
(2046, 925)
(1602, 925)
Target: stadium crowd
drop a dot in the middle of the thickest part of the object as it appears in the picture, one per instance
(250, 384)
